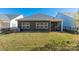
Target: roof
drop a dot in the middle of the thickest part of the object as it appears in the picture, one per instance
(7, 16)
(74, 15)
(3, 17)
(71, 14)
(12, 16)
(37, 17)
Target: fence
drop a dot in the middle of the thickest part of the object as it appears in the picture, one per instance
(71, 29)
(8, 30)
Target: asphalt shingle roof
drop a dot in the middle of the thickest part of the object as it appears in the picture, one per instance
(74, 15)
(12, 16)
(4, 17)
(37, 17)
(7, 16)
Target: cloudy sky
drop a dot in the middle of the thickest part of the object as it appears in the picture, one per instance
(30, 11)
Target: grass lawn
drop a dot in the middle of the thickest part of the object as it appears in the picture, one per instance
(29, 40)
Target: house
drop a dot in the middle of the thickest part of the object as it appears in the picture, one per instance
(40, 22)
(9, 20)
(4, 21)
(69, 21)
(14, 23)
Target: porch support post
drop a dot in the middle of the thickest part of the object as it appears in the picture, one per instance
(61, 26)
(50, 26)
(19, 26)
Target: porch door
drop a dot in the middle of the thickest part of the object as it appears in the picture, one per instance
(54, 26)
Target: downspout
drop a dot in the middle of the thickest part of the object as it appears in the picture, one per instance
(61, 26)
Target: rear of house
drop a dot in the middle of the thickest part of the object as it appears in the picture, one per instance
(40, 22)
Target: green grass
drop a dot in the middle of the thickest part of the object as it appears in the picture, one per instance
(29, 40)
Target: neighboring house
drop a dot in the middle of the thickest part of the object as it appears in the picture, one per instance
(69, 22)
(40, 22)
(14, 23)
(9, 20)
(4, 21)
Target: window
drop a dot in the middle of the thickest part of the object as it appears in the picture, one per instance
(25, 25)
(41, 25)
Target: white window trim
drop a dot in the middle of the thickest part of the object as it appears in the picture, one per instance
(40, 25)
(26, 25)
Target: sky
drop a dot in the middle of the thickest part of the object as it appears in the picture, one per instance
(31, 11)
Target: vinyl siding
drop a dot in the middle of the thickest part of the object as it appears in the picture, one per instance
(33, 26)
(4, 24)
(67, 21)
